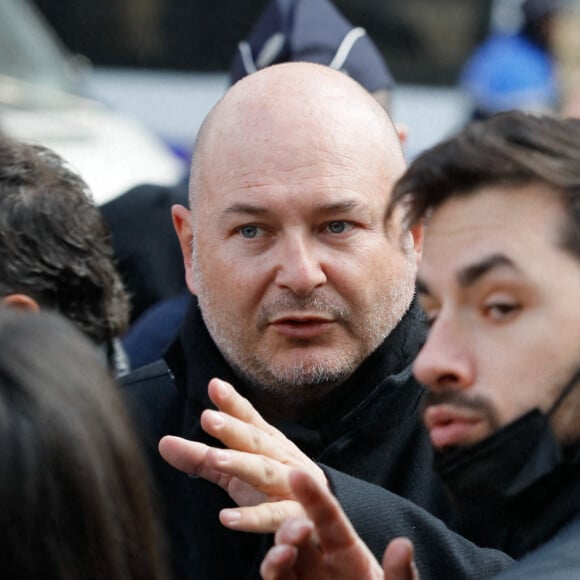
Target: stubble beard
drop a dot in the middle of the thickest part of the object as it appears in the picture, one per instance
(304, 376)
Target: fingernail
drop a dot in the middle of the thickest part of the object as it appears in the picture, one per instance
(278, 553)
(231, 516)
(216, 419)
(223, 456)
(294, 528)
(223, 389)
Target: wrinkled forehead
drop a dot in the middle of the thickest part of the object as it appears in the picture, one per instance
(254, 128)
(306, 153)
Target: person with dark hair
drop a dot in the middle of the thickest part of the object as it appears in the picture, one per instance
(148, 258)
(304, 299)
(499, 283)
(55, 251)
(75, 496)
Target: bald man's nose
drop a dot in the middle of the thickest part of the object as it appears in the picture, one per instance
(299, 267)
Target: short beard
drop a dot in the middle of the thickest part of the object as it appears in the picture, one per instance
(291, 392)
(290, 389)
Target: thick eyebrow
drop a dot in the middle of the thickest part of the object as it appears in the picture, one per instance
(248, 208)
(338, 207)
(245, 208)
(472, 273)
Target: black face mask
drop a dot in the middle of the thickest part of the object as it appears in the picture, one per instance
(503, 465)
(509, 462)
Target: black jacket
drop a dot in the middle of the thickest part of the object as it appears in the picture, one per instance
(369, 428)
(556, 559)
(146, 248)
(543, 525)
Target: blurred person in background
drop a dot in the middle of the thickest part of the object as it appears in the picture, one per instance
(313, 31)
(55, 250)
(75, 499)
(516, 71)
(147, 252)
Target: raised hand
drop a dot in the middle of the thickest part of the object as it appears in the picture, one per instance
(254, 468)
(326, 546)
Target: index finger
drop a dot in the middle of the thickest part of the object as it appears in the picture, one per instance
(333, 528)
(241, 436)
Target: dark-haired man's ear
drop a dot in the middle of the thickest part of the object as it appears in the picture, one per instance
(22, 301)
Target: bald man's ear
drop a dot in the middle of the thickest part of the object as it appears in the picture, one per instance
(183, 228)
(22, 301)
(402, 132)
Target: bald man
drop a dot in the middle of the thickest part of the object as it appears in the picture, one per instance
(304, 300)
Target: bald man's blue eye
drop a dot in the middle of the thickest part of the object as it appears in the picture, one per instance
(337, 227)
(249, 231)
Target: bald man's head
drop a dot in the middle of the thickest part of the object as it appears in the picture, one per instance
(298, 105)
(298, 273)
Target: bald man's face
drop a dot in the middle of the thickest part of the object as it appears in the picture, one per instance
(298, 276)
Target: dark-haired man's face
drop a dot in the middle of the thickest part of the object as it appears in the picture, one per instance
(503, 300)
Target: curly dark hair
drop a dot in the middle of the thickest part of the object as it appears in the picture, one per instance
(54, 244)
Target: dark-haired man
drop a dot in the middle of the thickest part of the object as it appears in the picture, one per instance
(55, 251)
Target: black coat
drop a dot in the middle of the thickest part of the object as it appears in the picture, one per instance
(146, 248)
(369, 428)
(556, 559)
(542, 524)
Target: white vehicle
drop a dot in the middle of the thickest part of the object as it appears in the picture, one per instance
(38, 103)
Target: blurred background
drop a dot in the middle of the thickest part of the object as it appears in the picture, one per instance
(158, 66)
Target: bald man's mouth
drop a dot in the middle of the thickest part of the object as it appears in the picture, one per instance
(302, 326)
